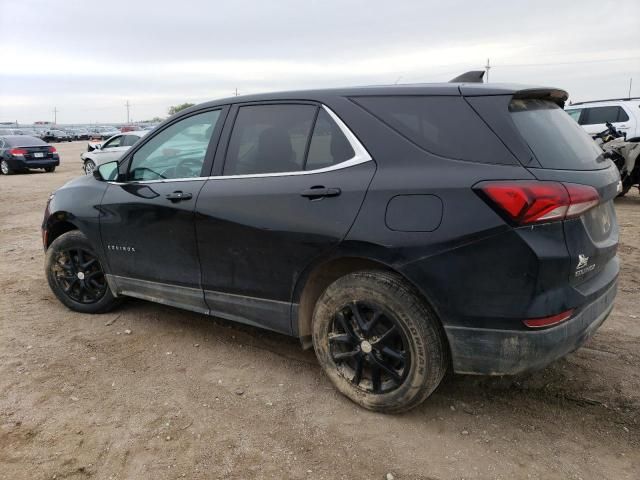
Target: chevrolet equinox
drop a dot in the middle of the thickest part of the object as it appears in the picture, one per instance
(399, 230)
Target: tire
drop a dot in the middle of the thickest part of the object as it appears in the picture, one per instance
(5, 169)
(415, 348)
(67, 280)
(89, 167)
(50, 169)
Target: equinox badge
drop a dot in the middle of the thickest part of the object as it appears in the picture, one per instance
(583, 265)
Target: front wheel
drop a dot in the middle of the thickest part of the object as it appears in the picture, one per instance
(75, 274)
(378, 342)
(89, 167)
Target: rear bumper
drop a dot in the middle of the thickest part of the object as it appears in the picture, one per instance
(486, 351)
(18, 164)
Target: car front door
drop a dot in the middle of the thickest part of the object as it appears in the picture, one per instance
(147, 220)
(288, 184)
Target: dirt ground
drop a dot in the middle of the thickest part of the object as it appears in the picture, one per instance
(188, 396)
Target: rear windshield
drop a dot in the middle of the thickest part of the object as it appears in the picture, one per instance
(23, 141)
(555, 139)
(444, 125)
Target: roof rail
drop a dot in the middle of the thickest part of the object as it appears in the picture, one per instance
(605, 100)
(473, 76)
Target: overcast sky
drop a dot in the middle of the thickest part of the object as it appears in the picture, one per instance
(87, 58)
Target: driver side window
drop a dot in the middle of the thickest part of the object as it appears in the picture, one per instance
(177, 151)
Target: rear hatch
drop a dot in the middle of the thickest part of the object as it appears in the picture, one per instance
(553, 147)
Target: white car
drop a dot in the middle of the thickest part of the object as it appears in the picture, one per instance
(110, 150)
(623, 114)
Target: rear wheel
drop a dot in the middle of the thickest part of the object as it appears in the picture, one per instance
(89, 167)
(75, 274)
(5, 169)
(378, 341)
(50, 169)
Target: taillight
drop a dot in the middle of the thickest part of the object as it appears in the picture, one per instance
(52, 150)
(525, 202)
(17, 151)
(548, 321)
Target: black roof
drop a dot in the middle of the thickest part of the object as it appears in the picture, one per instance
(454, 89)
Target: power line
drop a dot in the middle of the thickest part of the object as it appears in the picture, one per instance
(565, 63)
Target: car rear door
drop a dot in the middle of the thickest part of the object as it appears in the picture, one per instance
(287, 186)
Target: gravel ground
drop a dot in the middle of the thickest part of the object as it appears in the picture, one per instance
(149, 391)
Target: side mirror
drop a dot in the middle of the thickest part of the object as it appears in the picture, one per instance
(107, 172)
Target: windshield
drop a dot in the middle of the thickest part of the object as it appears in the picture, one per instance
(555, 139)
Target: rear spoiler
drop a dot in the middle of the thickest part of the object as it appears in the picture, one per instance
(553, 94)
(518, 92)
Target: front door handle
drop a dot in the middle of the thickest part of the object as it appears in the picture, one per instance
(320, 192)
(178, 196)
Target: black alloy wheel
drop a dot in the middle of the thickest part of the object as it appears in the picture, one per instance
(79, 275)
(369, 348)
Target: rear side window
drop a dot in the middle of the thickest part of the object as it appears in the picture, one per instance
(128, 140)
(269, 139)
(555, 139)
(328, 144)
(597, 115)
(443, 125)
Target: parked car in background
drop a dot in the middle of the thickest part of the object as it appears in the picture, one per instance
(78, 133)
(130, 128)
(102, 133)
(10, 131)
(399, 230)
(108, 151)
(19, 153)
(56, 135)
(623, 114)
(30, 131)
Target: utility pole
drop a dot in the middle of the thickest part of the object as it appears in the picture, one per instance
(127, 105)
(487, 67)
(630, 83)
(55, 115)
(236, 94)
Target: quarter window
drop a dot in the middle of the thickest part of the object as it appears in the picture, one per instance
(443, 125)
(269, 139)
(598, 115)
(177, 151)
(328, 144)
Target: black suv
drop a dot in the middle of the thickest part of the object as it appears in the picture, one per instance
(400, 230)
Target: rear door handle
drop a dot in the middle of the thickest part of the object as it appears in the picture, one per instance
(178, 196)
(320, 192)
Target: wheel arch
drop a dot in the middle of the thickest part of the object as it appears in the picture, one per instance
(57, 224)
(317, 278)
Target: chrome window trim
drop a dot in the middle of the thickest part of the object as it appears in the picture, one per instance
(360, 156)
